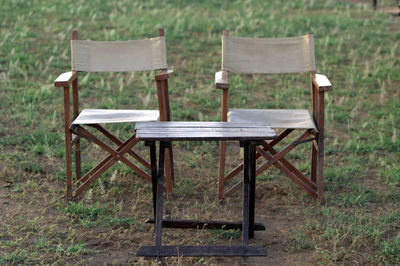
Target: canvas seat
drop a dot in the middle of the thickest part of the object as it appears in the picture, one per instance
(275, 56)
(111, 56)
(104, 116)
(276, 118)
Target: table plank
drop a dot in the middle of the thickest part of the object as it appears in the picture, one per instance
(192, 130)
(169, 131)
(184, 124)
(204, 136)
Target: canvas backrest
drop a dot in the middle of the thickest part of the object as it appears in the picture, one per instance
(119, 56)
(268, 55)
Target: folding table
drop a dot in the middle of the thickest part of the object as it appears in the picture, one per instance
(250, 135)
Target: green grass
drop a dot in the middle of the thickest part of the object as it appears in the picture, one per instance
(357, 48)
(13, 258)
(226, 234)
(390, 250)
(95, 215)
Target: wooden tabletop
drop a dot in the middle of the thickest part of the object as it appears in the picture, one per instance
(173, 131)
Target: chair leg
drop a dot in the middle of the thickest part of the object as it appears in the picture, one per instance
(78, 172)
(320, 146)
(314, 155)
(221, 169)
(320, 174)
(320, 168)
(68, 164)
(68, 139)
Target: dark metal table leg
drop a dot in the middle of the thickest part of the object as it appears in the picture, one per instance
(252, 181)
(153, 163)
(245, 231)
(159, 208)
(246, 228)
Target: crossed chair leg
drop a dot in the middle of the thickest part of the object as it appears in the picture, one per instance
(276, 158)
(115, 155)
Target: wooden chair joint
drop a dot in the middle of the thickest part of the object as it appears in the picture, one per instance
(75, 139)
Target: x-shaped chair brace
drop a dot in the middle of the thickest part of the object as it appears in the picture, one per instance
(114, 155)
(277, 158)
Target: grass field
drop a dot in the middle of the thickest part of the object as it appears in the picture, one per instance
(356, 47)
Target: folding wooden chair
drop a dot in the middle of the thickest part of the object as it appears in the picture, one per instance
(116, 56)
(275, 55)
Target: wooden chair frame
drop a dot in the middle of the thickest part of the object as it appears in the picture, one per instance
(313, 185)
(73, 133)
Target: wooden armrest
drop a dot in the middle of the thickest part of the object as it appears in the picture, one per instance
(164, 74)
(221, 80)
(322, 82)
(65, 79)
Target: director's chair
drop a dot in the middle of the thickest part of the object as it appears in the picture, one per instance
(111, 56)
(273, 56)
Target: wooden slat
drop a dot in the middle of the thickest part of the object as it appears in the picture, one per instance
(233, 189)
(204, 224)
(190, 134)
(194, 130)
(201, 251)
(169, 131)
(207, 136)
